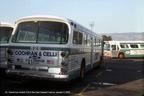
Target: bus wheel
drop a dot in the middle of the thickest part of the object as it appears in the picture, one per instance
(121, 56)
(82, 71)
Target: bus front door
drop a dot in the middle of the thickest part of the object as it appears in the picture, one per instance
(113, 51)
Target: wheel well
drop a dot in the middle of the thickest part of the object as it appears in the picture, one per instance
(120, 53)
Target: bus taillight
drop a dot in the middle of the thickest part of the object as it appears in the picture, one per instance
(64, 54)
(9, 66)
(64, 63)
(10, 52)
(63, 70)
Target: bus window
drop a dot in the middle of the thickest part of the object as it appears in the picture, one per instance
(77, 38)
(134, 46)
(97, 42)
(107, 47)
(100, 43)
(80, 38)
(142, 45)
(85, 39)
(94, 43)
(113, 47)
(124, 46)
(5, 33)
(117, 47)
(88, 40)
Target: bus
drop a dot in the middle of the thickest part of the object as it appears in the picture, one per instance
(52, 48)
(5, 33)
(124, 49)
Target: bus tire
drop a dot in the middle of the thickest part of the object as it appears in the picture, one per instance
(121, 56)
(82, 71)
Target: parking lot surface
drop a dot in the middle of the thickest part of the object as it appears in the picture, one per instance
(115, 77)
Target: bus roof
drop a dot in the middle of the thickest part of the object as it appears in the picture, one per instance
(44, 17)
(112, 42)
(6, 24)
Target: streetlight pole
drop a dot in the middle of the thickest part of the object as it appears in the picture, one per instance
(91, 24)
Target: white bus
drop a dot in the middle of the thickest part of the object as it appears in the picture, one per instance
(124, 49)
(5, 33)
(53, 48)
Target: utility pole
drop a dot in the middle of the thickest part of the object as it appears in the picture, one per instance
(91, 24)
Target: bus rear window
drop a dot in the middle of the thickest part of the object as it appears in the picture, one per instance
(42, 32)
(27, 32)
(5, 33)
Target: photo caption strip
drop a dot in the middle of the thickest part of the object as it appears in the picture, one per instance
(37, 92)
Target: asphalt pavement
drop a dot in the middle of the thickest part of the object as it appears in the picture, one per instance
(115, 77)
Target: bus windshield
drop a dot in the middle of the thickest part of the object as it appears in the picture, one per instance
(107, 47)
(41, 32)
(5, 33)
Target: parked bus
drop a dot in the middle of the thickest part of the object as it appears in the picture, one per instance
(122, 49)
(53, 48)
(5, 33)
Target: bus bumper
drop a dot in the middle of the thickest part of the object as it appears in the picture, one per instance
(36, 75)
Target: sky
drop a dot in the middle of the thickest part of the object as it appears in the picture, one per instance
(108, 16)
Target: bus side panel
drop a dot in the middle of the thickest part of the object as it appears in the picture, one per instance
(134, 56)
(75, 59)
(76, 56)
(133, 52)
